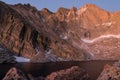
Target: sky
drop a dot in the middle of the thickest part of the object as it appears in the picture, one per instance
(53, 5)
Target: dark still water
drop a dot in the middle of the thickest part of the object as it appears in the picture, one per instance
(93, 68)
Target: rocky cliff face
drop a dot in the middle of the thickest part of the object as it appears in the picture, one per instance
(29, 32)
(68, 34)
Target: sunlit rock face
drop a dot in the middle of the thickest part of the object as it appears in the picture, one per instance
(68, 34)
(30, 33)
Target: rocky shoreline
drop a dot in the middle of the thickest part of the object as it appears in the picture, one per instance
(73, 73)
(109, 72)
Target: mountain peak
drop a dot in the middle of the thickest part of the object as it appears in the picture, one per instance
(92, 8)
(46, 10)
(62, 10)
(90, 5)
(73, 9)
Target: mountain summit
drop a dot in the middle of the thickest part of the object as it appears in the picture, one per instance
(68, 34)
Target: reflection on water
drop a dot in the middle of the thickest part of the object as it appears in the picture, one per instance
(93, 68)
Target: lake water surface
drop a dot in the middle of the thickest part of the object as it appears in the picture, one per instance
(93, 68)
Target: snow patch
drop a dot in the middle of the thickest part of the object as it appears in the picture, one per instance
(21, 59)
(48, 51)
(100, 37)
(64, 37)
(106, 24)
(89, 56)
(52, 57)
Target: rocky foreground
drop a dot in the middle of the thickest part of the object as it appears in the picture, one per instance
(74, 73)
(88, 33)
